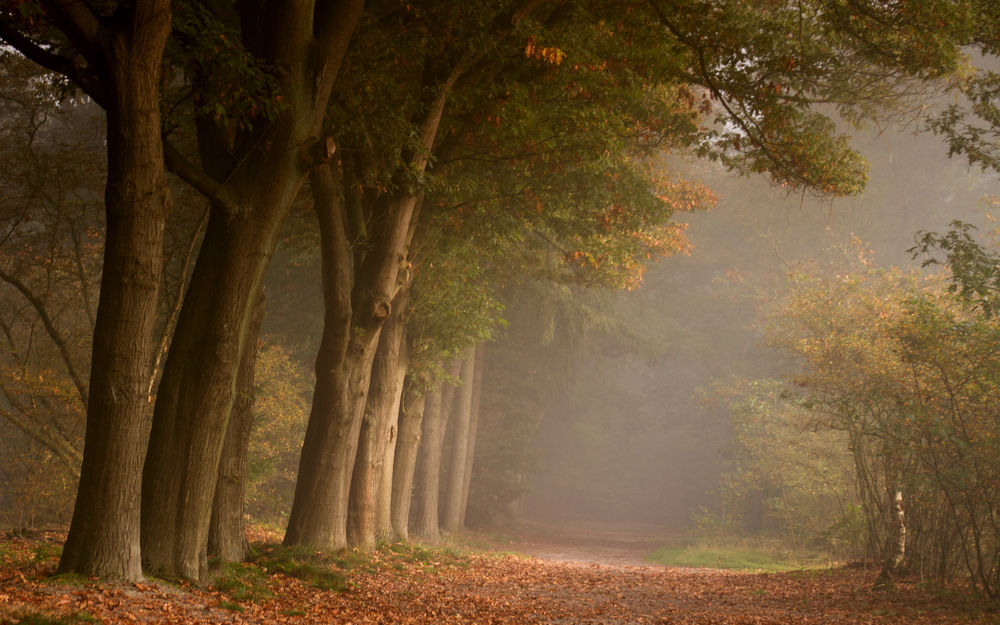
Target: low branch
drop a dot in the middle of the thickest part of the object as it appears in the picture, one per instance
(180, 165)
(51, 330)
(53, 62)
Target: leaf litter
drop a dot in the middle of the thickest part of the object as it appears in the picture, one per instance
(412, 585)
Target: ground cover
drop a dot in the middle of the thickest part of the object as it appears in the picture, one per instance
(408, 584)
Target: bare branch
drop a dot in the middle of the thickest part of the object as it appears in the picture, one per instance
(180, 165)
(51, 330)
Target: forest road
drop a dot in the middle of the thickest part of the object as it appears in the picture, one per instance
(589, 543)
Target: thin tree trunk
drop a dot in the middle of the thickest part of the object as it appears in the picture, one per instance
(470, 454)
(226, 535)
(411, 416)
(428, 478)
(454, 479)
(103, 538)
(383, 511)
(423, 520)
(377, 427)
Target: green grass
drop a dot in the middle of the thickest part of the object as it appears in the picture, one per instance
(242, 582)
(742, 557)
(69, 579)
(232, 607)
(46, 551)
(319, 570)
(402, 554)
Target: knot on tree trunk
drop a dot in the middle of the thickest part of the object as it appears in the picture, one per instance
(381, 309)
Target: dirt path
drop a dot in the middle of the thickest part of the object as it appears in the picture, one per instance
(589, 543)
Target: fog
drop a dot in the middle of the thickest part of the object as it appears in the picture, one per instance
(630, 439)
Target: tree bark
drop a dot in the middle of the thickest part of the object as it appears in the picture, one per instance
(226, 535)
(252, 178)
(454, 478)
(378, 431)
(103, 538)
(470, 454)
(356, 308)
(428, 478)
(383, 511)
(411, 416)
(424, 520)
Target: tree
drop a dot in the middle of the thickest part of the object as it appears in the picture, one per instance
(121, 46)
(381, 199)
(905, 371)
(253, 161)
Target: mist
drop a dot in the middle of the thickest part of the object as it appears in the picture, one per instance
(634, 436)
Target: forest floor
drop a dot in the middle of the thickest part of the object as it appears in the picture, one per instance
(538, 575)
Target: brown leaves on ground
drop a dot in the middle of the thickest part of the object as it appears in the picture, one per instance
(416, 586)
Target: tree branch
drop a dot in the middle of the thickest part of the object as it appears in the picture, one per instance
(50, 329)
(52, 61)
(180, 165)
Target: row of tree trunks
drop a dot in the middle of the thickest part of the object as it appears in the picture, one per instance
(357, 305)
(252, 190)
(426, 498)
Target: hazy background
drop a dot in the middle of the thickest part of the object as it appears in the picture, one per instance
(630, 439)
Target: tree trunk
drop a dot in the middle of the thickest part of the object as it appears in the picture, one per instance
(226, 534)
(383, 511)
(896, 549)
(343, 372)
(411, 416)
(103, 538)
(470, 454)
(196, 393)
(355, 310)
(424, 520)
(428, 477)
(265, 162)
(454, 479)
(377, 435)
(319, 510)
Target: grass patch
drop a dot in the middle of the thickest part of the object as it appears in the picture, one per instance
(69, 579)
(232, 607)
(317, 569)
(741, 557)
(46, 551)
(402, 554)
(242, 582)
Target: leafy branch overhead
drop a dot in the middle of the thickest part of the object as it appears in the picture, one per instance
(975, 269)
